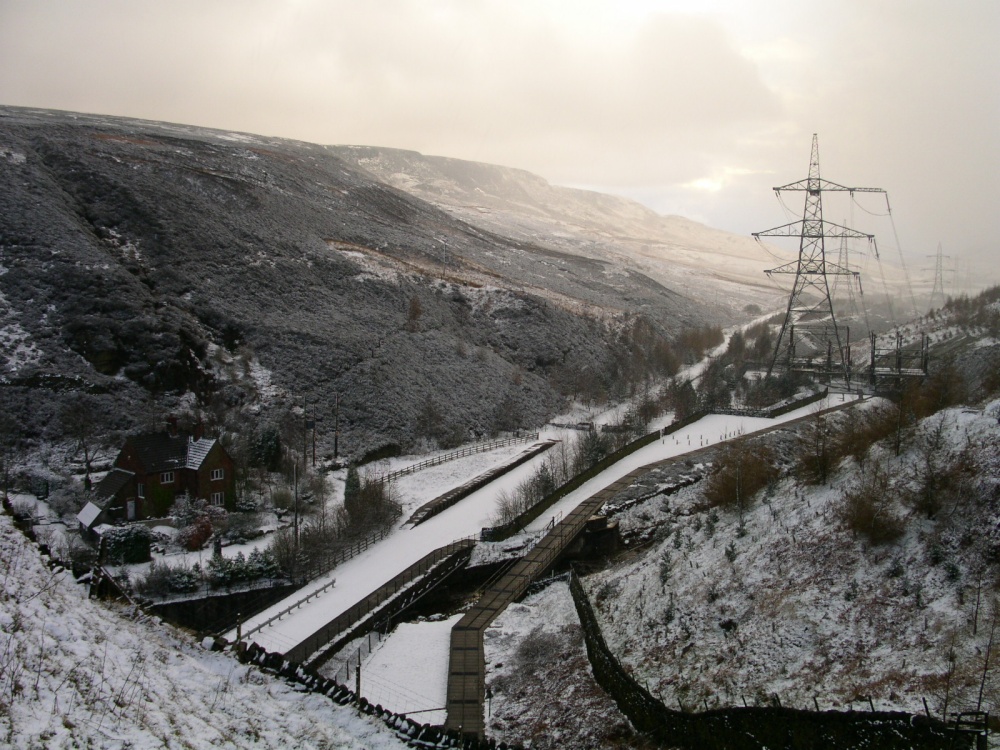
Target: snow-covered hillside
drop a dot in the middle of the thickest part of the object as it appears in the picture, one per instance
(790, 602)
(79, 673)
(710, 265)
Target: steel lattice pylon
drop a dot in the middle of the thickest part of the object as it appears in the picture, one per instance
(937, 293)
(810, 314)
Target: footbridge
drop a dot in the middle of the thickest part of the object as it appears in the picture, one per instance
(467, 663)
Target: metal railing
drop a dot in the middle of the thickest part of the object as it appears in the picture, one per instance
(326, 562)
(469, 450)
(325, 634)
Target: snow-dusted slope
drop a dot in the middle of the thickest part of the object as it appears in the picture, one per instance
(793, 604)
(80, 673)
(708, 264)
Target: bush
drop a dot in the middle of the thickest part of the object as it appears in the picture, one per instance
(589, 450)
(856, 436)
(538, 649)
(282, 498)
(194, 536)
(743, 468)
(126, 544)
(23, 509)
(373, 506)
(162, 579)
(867, 507)
(817, 451)
(939, 475)
(225, 571)
(242, 527)
(246, 504)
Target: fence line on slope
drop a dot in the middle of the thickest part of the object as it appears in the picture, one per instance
(750, 728)
(330, 561)
(469, 450)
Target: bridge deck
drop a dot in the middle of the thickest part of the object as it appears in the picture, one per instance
(467, 665)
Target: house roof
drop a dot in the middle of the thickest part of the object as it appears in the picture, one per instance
(88, 515)
(161, 451)
(111, 485)
(197, 451)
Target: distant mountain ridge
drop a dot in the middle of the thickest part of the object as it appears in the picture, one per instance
(708, 264)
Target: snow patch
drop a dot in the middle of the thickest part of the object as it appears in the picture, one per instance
(16, 347)
(261, 377)
(14, 157)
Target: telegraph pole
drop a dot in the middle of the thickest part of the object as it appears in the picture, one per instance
(810, 312)
(336, 425)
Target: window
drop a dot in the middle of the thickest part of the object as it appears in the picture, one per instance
(217, 498)
(140, 490)
(167, 477)
(217, 474)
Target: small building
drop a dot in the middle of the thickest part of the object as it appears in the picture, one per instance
(154, 469)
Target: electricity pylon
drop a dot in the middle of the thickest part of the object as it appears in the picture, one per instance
(937, 293)
(810, 314)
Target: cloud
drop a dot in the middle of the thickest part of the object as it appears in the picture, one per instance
(483, 80)
(652, 98)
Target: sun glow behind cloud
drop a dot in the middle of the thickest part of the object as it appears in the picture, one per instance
(697, 107)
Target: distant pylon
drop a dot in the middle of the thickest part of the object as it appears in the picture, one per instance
(937, 293)
(810, 314)
(843, 261)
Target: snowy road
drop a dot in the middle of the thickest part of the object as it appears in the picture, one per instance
(363, 574)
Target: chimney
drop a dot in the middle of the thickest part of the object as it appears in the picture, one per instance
(199, 430)
(172, 426)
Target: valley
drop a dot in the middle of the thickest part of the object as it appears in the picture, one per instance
(682, 534)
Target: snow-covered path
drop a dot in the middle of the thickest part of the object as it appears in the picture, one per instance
(365, 573)
(411, 674)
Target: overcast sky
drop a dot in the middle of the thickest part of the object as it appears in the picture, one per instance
(694, 107)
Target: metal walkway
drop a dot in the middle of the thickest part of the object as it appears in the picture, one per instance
(467, 663)
(467, 666)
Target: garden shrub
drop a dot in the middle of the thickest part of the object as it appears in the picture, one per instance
(126, 544)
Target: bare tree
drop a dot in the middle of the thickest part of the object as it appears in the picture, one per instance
(10, 444)
(83, 423)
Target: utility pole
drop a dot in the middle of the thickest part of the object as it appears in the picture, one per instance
(311, 434)
(336, 425)
(810, 306)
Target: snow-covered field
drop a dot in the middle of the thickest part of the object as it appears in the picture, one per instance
(408, 671)
(76, 673)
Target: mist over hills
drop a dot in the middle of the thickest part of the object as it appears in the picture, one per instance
(159, 266)
(707, 264)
